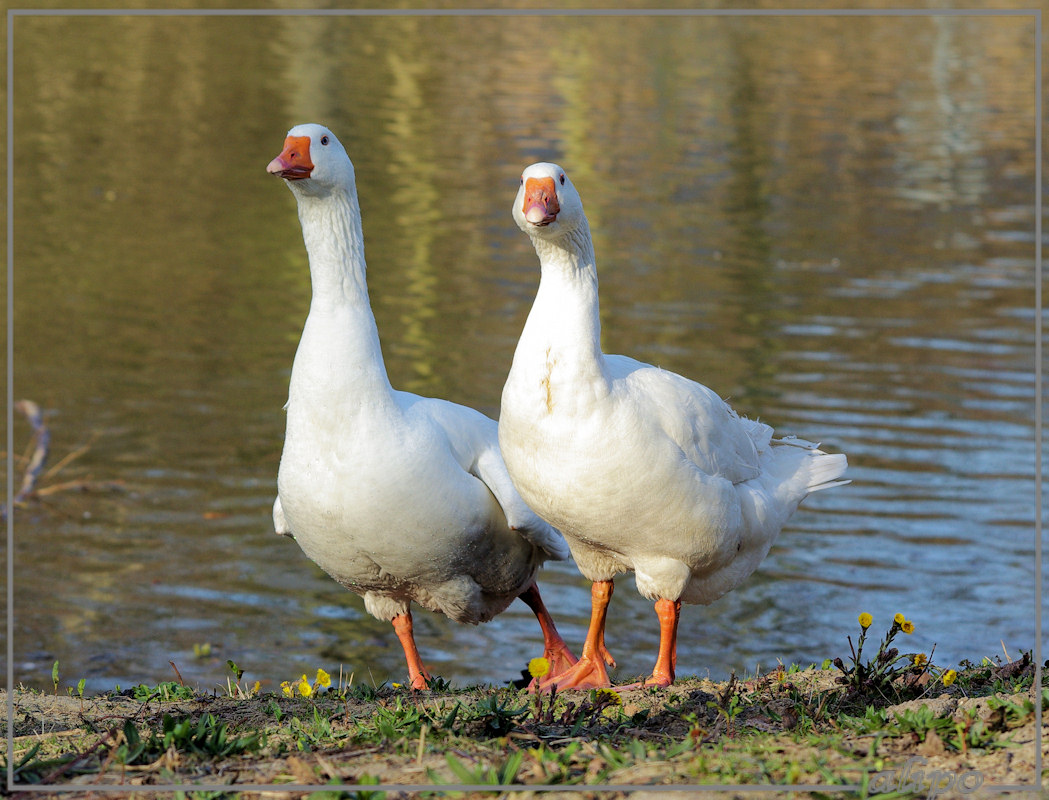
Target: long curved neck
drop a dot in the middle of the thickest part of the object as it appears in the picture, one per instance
(331, 229)
(565, 318)
(339, 357)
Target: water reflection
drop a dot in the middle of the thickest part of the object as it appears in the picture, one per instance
(826, 220)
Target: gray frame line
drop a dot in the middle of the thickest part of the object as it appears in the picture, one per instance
(1038, 394)
(9, 488)
(521, 12)
(1034, 13)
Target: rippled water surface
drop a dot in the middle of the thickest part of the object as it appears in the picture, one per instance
(829, 221)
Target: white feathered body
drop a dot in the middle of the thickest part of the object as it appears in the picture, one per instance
(399, 498)
(640, 468)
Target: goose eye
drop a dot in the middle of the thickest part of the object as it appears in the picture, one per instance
(324, 141)
(522, 180)
(562, 179)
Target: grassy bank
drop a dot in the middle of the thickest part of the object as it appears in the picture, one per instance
(885, 730)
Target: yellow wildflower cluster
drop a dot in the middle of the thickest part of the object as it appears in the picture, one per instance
(949, 677)
(900, 622)
(303, 686)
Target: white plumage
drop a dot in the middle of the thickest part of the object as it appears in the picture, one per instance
(399, 498)
(640, 468)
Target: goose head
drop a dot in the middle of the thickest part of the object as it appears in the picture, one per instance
(313, 161)
(547, 204)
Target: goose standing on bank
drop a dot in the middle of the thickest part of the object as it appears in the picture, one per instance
(640, 468)
(399, 498)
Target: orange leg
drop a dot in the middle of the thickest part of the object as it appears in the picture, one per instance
(555, 651)
(589, 672)
(669, 613)
(417, 673)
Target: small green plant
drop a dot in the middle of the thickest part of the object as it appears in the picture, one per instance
(436, 683)
(560, 765)
(483, 774)
(234, 689)
(878, 675)
(318, 733)
(54, 676)
(357, 794)
(625, 754)
(400, 720)
(207, 737)
(274, 708)
(1011, 714)
(872, 721)
(728, 703)
(28, 768)
(496, 716)
(368, 780)
(361, 691)
(971, 731)
(165, 690)
(132, 748)
(922, 721)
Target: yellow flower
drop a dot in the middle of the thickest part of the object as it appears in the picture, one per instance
(949, 677)
(920, 659)
(608, 694)
(323, 678)
(907, 626)
(304, 687)
(286, 688)
(899, 619)
(538, 667)
(395, 685)
(866, 620)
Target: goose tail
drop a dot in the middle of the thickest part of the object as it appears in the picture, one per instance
(823, 469)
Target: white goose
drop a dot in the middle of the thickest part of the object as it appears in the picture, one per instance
(640, 468)
(399, 498)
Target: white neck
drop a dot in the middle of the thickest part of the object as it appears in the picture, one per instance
(339, 354)
(331, 229)
(565, 319)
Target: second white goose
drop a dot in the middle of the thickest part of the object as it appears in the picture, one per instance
(641, 469)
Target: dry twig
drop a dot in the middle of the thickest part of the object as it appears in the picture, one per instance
(41, 446)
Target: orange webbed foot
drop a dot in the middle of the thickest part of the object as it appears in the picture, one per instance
(661, 681)
(560, 659)
(586, 673)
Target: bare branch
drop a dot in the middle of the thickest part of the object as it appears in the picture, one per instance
(41, 445)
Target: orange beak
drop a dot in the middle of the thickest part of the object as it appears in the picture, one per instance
(540, 201)
(293, 163)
